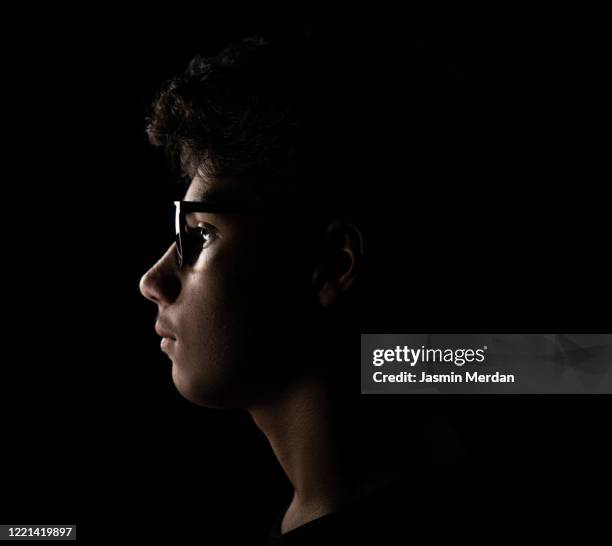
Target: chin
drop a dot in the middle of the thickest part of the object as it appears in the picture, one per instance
(206, 392)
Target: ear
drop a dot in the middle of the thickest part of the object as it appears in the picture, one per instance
(340, 262)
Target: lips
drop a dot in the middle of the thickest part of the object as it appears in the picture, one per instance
(166, 344)
(163, 331)
(168, 337)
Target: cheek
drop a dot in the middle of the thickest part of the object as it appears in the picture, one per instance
(221, 297)
(237, 320)
(238, 296)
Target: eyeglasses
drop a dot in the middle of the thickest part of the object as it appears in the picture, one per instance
(188, 237)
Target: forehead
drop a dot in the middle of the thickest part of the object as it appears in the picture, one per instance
(208, 189)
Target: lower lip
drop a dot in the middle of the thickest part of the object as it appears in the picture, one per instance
(166, 343)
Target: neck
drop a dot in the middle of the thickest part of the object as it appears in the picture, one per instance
(322, 460)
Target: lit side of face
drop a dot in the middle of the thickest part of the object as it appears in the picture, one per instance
(233, 310)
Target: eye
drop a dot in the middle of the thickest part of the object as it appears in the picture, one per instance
(197, 237)
(200, 235)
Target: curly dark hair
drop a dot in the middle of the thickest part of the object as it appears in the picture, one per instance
(294, 114)
(236, 114)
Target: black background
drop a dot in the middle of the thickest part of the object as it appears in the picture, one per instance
(94, 431)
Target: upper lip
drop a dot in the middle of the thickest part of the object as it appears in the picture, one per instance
(163, 331)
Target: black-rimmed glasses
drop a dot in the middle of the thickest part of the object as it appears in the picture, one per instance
(185, 233)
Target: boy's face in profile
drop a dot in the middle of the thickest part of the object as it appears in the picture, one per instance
(229, 313)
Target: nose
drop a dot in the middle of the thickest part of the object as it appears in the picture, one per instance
(161, 284)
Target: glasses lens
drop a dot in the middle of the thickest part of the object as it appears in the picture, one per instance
(196, 235)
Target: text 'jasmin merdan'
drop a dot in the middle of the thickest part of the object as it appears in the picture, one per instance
(410, 356)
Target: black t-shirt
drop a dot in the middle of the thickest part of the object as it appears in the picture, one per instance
(362, 521)
(420, 501)
(445, 503)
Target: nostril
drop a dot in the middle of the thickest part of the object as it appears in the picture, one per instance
(171, 289)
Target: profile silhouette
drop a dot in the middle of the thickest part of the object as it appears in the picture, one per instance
(305, 164)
